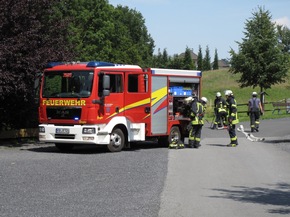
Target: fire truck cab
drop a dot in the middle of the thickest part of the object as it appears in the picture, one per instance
(114, 105)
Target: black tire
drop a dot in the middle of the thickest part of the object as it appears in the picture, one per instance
(174, 134)
(64, 147)
(117, 140)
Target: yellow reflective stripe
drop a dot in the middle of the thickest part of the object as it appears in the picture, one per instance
(234, 139)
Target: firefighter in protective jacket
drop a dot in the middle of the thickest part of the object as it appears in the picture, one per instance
(197, 114)
(220, 112)
(232, 117)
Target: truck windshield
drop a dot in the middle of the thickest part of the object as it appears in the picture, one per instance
(67, 84)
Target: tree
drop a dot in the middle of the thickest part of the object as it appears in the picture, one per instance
(260, 60)
(161, 60)
(206, 61)
(157, 60)
(284, 38)
(187, 60)
(137, 44)
(101, 31)
(216, 61)
(29, 38)
(91, 27)
(176, 62)
(199, 59)
(165, 58)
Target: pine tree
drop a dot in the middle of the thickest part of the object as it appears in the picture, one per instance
(199, 59)
(176, 62)
(216, 61)
(206, 60)
(165, 58)
(187, 60)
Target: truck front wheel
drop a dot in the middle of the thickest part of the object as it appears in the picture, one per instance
(117, 140)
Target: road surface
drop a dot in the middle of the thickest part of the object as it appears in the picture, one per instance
(252, 179)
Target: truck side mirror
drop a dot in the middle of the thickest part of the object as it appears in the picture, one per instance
(106, 82)
(106, 85)
(106, 92)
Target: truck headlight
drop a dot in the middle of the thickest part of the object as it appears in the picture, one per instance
(41, 129)
(87, 130)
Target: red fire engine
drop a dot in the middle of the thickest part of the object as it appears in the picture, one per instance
(113, 105)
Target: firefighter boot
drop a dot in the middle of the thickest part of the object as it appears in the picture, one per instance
(213, 127)
(233, 144)
(196, 145)
(191, 144)
(257, 127)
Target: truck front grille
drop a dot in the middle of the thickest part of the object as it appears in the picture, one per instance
(68, 113)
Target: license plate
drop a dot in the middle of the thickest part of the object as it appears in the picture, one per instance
(62, 131)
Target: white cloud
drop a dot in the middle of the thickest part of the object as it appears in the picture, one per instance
(284, 21)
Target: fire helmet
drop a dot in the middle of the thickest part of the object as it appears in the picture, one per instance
(228, 92)
(204, 99)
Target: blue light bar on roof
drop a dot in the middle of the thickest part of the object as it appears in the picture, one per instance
(99, 64)
(53, 64)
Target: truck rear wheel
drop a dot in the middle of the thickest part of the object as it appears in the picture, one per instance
(173, 135)
(117, 140)
(64, 147)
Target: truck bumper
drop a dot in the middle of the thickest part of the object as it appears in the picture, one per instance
(76, 134)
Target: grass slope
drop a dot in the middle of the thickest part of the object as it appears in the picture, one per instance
(221, 80)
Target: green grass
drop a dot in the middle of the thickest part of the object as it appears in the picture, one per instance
(221, 80)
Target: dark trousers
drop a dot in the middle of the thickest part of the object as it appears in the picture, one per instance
(255, 119)
(195, 135)
(232, 133)
(220, 118)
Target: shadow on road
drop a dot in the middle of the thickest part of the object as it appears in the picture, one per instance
(218, 145)
(276, 195)
(277, 141)
(93, 149)
(75, 150)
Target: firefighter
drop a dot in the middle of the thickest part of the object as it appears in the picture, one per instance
(254, 110)
(232, 117)
(220, 107)
(197, 114)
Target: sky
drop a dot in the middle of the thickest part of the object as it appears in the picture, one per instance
(219, 24)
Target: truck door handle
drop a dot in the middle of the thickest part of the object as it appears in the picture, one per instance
(117, 109)
(147, 109)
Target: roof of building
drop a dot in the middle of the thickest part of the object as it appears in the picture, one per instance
(192, 54)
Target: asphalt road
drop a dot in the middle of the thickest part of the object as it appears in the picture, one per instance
(252, 179)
